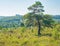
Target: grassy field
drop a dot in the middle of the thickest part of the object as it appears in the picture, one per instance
(23, 36)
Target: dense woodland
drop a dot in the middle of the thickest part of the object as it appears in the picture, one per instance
(32, 29)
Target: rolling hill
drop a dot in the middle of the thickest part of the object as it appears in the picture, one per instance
(11, 21)
(15, 21)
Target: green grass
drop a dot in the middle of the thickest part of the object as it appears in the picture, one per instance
(28, 37)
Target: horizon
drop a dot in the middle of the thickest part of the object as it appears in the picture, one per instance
(11, 8)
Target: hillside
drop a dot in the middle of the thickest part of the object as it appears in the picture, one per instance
(56, 16)
(10, 21)
(15, 21)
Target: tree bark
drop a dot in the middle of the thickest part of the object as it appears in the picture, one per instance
(39, 28)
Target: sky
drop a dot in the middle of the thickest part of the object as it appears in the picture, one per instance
(13, 7)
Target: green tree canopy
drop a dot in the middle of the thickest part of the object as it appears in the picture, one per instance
(36, 17)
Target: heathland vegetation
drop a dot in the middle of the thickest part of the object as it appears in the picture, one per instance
(32, 29)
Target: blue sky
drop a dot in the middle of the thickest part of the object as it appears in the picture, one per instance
(12, 7)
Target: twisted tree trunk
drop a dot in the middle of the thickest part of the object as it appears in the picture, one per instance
(39, 28)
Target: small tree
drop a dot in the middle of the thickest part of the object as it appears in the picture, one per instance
(37, 10)
(48, 21)
(36, 17)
